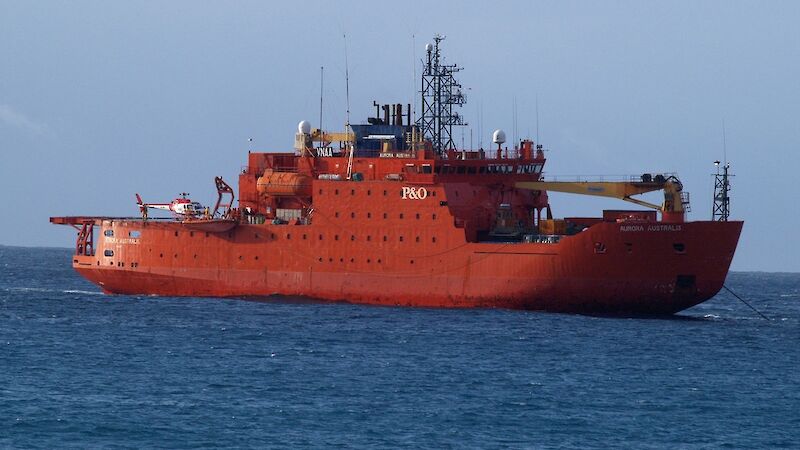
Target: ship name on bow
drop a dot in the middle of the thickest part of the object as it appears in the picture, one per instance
(660, 227)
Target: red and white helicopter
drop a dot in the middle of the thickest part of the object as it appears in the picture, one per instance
(182, 206)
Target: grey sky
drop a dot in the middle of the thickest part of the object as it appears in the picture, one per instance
(99, 100)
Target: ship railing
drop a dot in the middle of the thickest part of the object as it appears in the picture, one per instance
(259, 170)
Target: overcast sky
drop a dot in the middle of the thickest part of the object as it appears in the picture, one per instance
(100, 100)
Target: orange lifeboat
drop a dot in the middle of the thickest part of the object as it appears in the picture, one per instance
(284, 184)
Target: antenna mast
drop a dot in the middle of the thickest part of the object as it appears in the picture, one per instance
(722, 201)
(321, 79)
(440, 93)
(347, 117)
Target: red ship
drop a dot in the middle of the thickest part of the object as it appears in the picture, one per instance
(391, 213)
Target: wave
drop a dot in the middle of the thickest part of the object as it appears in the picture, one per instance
(61, 291)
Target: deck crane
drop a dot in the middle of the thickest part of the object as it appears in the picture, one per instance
(676, 202)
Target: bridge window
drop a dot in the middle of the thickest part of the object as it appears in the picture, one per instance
(136, 234)
(108, 233)
(108, 253)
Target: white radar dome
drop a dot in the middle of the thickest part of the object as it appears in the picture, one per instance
(428, 47)
(499, 136)
(304, 127)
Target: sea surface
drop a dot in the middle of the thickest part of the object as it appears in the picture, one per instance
(82, 369)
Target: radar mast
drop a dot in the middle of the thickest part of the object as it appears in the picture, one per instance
(441, 92)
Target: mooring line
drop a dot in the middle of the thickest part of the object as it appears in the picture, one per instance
(743, 301)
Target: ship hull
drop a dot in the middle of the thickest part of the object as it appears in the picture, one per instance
(643, 268)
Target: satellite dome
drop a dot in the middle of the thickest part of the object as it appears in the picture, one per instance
(499, 136)
(428, 47)
(304, 127)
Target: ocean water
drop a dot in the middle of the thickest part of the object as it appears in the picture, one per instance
(82, 369)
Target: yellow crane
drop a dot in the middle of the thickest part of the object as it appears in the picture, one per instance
(672, 209)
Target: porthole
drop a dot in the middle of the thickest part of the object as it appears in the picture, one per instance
(417, 239)
(336, 214)
(305, 237)
(433, 217)
(352, 237)
(288, 235)
(176, 234)
(384, 192)
(369, 192)
(320, 237)
(369, 238)
(379, 261)
(433, 239)
(401, 215)
(401, 238)
(352, 192)
(417, 215)
(320, 192)
(385, 238)
(336, 192)
(385, 215)
(369, 215)
(335, 237)
(191, 234)
(352, 215)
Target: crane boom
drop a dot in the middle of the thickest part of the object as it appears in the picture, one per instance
(673, 205)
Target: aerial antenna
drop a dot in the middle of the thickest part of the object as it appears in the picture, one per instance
(516, 134)
(537, 118)
(414, 78)
(321, 80)
(724, 146)
(347, 117)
